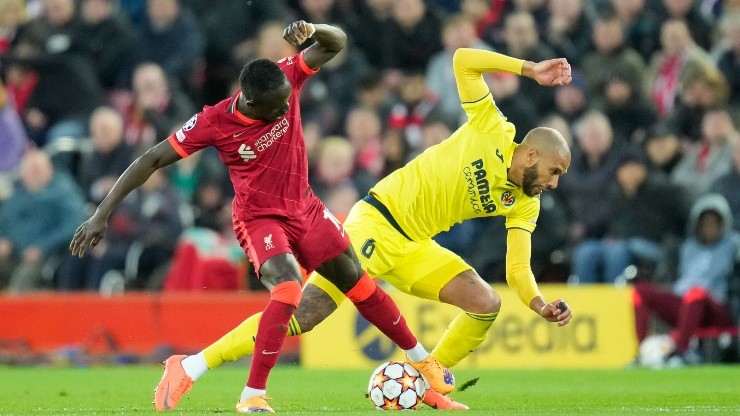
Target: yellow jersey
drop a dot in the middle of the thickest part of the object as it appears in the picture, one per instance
(463, 177)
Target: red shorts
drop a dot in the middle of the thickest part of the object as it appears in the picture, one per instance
(313, 238)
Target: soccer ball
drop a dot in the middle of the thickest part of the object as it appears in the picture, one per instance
(654, 350)
(396, 385)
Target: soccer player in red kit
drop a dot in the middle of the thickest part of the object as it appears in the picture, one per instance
(277, 219)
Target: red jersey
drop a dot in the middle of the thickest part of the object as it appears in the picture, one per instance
(267, 161)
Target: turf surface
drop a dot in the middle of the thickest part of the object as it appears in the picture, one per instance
(128, 391)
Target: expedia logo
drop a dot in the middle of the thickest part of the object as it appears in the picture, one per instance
(507, 199)
(479, 191)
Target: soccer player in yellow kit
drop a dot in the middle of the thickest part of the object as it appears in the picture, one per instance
(478, 172)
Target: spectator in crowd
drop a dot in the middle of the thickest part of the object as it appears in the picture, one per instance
(335, 166)
(417, 105)
(269, 44)
(207, 258)
(111, 155)
(522, 40)
(157, 105)
(411, 36)
(569, 30)
(571, 100)
(729, 187)
(372, 16)
(12, 15)
(647, 212)
(330, 94)
(678, 53)
(108, 39)
(13, 141)
(698, 297)
(610, 53)
(364, 131)
(151, 216)
(488, 16)
(728, 57)
(663, 149)
(230, 29)
(629, 111)
(208, 202)
(36, 222)
(204, 168)
(641, 26)
(709, 159)
(374, 94)
(326, 11)
(340, 199)
(458, 31)
(56, 30)
(558, 123)
(688, 11)
(701, 88)
(170, 36)
(54, 93)
(591, 172)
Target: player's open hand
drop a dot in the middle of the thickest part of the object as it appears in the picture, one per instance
(88, 235)
(298, 32)
(557, 311)
(552, 72)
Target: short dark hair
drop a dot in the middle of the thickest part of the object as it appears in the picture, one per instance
(260, 76)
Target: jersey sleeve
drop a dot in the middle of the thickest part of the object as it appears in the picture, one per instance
(469, 65)
(519, 274)
(296, 70)
(197, 133)
(483, 114)
(525, 215)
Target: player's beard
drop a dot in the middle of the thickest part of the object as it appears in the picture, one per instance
(529, 179)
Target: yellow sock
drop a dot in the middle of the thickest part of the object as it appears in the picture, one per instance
(239, 342)
(465, 333)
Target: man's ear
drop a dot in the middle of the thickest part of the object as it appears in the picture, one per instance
(532, 156)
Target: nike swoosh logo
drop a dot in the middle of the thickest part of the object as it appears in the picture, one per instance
(265, 352)
(397, 320)
(166, 396)
(238, 134)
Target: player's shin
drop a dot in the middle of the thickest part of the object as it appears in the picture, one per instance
(239, 342)
(271, 332)
(379, 309)
(464, 334)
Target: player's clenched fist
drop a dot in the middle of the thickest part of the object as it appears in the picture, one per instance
(298, 32)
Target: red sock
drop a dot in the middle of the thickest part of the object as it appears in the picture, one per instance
(271, 332)
(379, 309)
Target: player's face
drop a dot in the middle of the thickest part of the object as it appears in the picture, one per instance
(273, 104)
(544, 174)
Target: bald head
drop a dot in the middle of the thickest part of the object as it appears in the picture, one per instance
(547, 141)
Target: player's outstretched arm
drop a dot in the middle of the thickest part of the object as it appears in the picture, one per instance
(470, 64)
(520, 277)
(330, 40)
(89, 234)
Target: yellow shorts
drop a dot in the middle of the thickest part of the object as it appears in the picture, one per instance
(419, 268)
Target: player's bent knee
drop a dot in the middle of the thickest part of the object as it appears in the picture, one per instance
(484, 301)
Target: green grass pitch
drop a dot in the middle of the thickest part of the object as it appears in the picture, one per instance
(128, 391)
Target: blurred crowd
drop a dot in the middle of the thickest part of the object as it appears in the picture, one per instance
(88, 85)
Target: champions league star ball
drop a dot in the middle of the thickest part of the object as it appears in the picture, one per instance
(396, 385)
